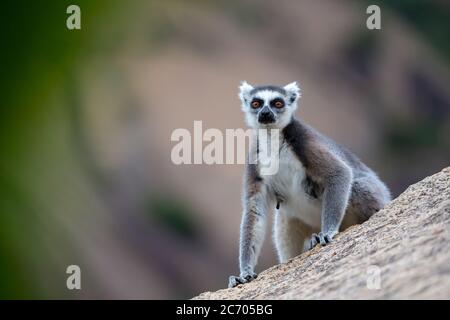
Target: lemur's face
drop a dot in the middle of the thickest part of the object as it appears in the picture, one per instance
(269, 106)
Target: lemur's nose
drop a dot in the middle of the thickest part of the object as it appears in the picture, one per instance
(266, 116)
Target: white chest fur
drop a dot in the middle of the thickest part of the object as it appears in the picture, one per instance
(288, 184)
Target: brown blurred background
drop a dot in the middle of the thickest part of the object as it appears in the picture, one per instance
(86, 119)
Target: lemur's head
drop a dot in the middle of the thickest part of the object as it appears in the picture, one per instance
(269, 106)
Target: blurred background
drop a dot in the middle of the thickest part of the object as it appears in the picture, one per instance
(86, 118)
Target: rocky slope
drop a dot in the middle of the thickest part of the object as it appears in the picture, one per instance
(402, 252)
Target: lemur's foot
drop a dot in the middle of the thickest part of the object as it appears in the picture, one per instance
(317, 238)
(233, 281)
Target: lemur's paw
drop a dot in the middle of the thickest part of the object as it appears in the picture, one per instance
(317, 238)
(233, 281)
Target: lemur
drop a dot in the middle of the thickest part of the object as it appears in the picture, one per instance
(319, 188)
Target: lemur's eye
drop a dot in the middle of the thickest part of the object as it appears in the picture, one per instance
(279, 104)
(256, 104)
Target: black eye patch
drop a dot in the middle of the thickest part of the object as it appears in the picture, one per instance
(277, 103)
(257, 103)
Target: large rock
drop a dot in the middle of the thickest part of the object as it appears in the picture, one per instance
(402, 252)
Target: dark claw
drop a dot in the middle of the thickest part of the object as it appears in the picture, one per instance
(318, 238)
(250, 277)
(234, 281)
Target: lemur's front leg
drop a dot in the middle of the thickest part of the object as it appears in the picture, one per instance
(334, 203)
(253, 228)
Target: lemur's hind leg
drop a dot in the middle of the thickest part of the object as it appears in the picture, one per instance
(289, 235)
(368, 195)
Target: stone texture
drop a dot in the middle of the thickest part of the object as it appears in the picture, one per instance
(407, 244)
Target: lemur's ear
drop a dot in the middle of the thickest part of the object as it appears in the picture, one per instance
(244, 91)
(292, 91)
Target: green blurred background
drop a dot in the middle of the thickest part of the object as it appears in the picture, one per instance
(86, 118)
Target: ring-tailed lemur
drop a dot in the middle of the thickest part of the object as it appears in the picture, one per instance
(320, 187)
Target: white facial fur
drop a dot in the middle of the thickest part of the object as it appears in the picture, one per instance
(282, 116)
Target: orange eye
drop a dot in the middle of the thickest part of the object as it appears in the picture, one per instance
(279, 104)
(256, 104)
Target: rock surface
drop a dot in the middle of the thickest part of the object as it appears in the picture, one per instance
(402, 252)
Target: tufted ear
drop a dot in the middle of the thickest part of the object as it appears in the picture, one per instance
(244, 91)
(293, 92)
